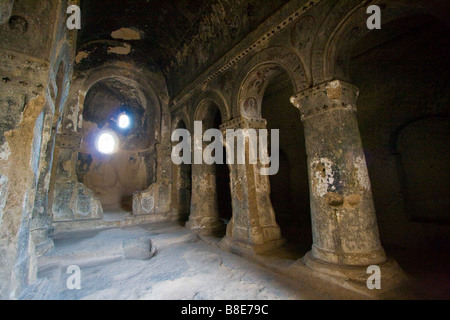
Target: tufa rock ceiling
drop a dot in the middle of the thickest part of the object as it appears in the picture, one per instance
(182, 37)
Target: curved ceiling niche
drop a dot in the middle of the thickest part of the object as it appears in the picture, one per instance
(110, 98)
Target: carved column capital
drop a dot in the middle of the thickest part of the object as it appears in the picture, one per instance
(326, 97)
(244, 123)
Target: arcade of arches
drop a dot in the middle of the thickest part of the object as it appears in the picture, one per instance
(363, 118)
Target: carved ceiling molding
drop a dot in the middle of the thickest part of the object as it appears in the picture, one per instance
(257, 45)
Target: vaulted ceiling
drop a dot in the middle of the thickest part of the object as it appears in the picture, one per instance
(183, 37)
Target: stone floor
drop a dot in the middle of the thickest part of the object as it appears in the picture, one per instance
(182, 266)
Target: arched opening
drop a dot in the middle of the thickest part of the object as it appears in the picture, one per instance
(403, 109)
(289, 187)
(423, 151)
(211, 195)
(223, 181)
(181, 186)
(116, 160)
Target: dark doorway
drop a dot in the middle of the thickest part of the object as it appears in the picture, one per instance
(182, 187)
(289, 187)
(223, 182)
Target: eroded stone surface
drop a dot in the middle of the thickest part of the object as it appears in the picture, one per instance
(138, 249)
(231, 65)
(183, 268)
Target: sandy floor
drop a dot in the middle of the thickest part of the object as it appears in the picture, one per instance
(183, 267)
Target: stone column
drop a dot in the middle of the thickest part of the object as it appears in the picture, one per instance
(345, 230)
(253, 227)
(204, 216)
(156, 199)
(70, 200)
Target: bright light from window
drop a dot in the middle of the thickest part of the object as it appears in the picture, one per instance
(107, 143)
(124, 121)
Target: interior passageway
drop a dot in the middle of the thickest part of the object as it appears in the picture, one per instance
(88, 178)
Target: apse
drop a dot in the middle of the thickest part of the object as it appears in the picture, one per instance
(118, 136)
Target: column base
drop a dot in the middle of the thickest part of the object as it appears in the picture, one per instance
(242, 248)
(392, 276)
(351, 259)
(206, 229)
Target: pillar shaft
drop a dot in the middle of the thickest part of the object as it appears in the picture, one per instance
(204, 216)
(253, 223)
(345, 230)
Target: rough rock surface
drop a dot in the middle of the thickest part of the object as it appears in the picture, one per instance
(184, 268)
(138, 249)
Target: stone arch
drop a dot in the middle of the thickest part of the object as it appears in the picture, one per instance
(147, 88)
(214, 97)
(425, 190)
(257, 73)
(152, 91)
(204, 217)
(181, 115)
(181, 175)
(344, 26)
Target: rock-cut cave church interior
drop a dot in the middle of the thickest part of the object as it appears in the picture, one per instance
(352, 97)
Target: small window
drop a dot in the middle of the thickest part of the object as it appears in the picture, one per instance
(124, 121)
(107, 142)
